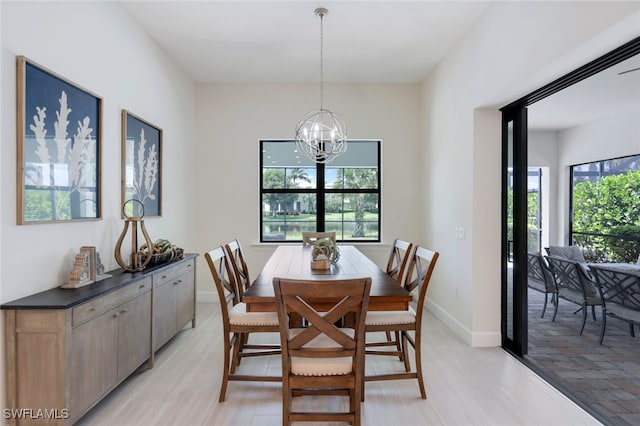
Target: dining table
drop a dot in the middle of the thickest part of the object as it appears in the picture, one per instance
(294, 261)
(629, 268)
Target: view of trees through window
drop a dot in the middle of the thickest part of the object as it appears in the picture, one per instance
(606, 209)
(300, 196)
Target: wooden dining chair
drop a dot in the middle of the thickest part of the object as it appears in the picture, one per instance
(322, 359)
(236, 257)
(308, 238)
(396, 264)
(237, 323)
(421, 265)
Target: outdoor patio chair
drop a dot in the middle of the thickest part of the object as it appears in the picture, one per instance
(620, 293)
(540, 278)
(575, 286)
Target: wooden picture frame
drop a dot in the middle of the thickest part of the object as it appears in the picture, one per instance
(141, 166)
(59, 134)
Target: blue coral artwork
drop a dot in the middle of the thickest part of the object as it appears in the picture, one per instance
(58, 147)
(141, 166)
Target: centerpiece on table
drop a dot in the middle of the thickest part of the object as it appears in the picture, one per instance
(324, 253)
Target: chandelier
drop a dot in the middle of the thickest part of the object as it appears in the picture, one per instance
(321, 135)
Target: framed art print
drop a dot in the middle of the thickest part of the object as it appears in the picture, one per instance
(141, 165)
(59, 138)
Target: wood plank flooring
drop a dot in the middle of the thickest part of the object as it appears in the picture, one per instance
(465, 386)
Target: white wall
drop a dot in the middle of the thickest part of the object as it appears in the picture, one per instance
(233, 118)
(515, 48)
(97, 46)
(543, 152)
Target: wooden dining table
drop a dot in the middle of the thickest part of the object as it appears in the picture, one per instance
(294, 261)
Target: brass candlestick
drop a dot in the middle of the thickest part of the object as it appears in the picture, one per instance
(136, 264)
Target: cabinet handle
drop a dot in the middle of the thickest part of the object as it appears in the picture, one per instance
(124, 310)
(116, 315)
(142, 286)
(179, 281)
(176, 282)
(163, 277)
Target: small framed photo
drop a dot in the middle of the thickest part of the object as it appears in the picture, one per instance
(141, 166)
(59, 127)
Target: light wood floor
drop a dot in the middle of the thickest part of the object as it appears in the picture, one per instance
(465, 386)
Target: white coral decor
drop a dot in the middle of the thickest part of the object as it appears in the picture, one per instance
(325, 249)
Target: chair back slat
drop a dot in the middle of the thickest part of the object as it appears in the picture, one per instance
(239, 265)
(224, 280)
(296, 297)
(567, 275)
(418, 276)
(308, 238)
(618, 287)
(538, 271)
(398, 258)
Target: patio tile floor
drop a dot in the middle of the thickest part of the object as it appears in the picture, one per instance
(604, 377)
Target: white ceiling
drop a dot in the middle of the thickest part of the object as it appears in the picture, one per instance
(372, 41)
(606, 93)
(279, 41)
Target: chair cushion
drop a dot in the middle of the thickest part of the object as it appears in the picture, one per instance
(391, 317)
(623, 312)
(321, 366)
(569, 252)
(238, 315)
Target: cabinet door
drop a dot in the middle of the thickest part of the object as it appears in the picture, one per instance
(164, 314)
(134, 334)
(185, 299)
(93, 361)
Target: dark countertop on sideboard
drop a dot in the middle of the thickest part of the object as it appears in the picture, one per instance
(64, 298)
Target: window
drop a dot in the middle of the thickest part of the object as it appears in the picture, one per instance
(298, 195)
(605, 216)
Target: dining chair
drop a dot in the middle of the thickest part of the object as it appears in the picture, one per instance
(421, 264)
(308, 238)
(574, 285)
(237, 323)
(540, 278)
(396, 264)
(237, 259)
(620, 294)
(322, 359)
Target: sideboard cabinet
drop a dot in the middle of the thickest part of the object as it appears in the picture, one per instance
(68, 348)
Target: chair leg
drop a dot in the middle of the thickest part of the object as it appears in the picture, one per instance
(593, 312)
(633, 333)
(398, 346)
(418, 353)
(603, 326)
(236, 351)
(555, 311)
(405, 351)
(286, 403)
(584, 317)
(225, 374)
(544, 308)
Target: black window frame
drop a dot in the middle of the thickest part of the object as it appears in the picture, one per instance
(320, 192)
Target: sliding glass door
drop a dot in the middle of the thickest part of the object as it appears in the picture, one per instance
(514, 232)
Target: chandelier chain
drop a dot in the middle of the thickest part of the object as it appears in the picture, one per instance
(321, 61)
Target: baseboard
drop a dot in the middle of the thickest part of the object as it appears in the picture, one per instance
(475, 340)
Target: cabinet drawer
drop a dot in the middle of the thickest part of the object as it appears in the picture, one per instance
(102, 304)
(172, 272)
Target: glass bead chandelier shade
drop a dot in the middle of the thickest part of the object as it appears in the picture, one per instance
(321, 135)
